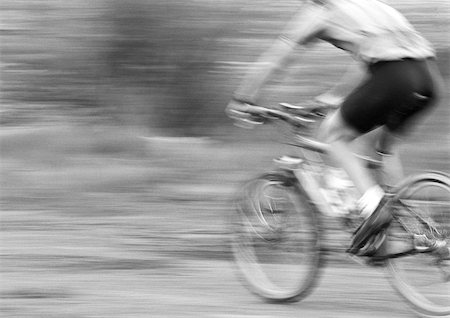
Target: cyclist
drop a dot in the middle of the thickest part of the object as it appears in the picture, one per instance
(399, 82)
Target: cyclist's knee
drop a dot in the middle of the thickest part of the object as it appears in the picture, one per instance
(386, 141)
(334, 128)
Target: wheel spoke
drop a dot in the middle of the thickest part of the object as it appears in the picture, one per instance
(275, 240)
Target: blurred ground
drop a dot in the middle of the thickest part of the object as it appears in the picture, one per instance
(103, 224)
(105, 218)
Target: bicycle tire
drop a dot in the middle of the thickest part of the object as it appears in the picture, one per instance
(272, 234)
(422, 197)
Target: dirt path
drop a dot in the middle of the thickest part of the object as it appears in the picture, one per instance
(60, 266)
(86, 234)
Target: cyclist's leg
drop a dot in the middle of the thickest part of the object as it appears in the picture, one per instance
(361, 112)
(401, 91)
(403, 118)
(337, 133)
(395, 93)
(385, 147)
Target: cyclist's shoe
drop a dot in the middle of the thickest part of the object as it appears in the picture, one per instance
(374, 245)
(374, 224)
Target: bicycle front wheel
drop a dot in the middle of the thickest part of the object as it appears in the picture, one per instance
(276, 238)
(422, 224)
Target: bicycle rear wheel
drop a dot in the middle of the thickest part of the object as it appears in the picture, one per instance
(276, 238)
(422, 224)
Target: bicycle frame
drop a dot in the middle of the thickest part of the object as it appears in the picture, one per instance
(308, 173)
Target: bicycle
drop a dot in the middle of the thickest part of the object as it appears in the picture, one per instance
(277, 229)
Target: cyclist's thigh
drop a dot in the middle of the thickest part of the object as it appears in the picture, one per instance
(334, 128)
(366, 107)
(418, 96)
(396, 91)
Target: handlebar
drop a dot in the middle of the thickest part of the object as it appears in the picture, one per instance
(269, 114)
(298, 116)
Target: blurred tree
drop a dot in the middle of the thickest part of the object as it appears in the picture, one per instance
(163, 51)
(168, 65)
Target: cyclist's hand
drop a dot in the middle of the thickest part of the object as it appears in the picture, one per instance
(236, 110)
(243, 114)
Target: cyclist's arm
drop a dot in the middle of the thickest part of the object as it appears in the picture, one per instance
(275, 58)
(303, 28)
(355, 74)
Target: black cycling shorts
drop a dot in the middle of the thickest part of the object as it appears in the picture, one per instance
(393, 94)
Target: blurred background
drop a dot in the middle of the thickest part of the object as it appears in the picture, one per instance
(118, 163)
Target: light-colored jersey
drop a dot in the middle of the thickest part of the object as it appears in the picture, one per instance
(369, 29)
